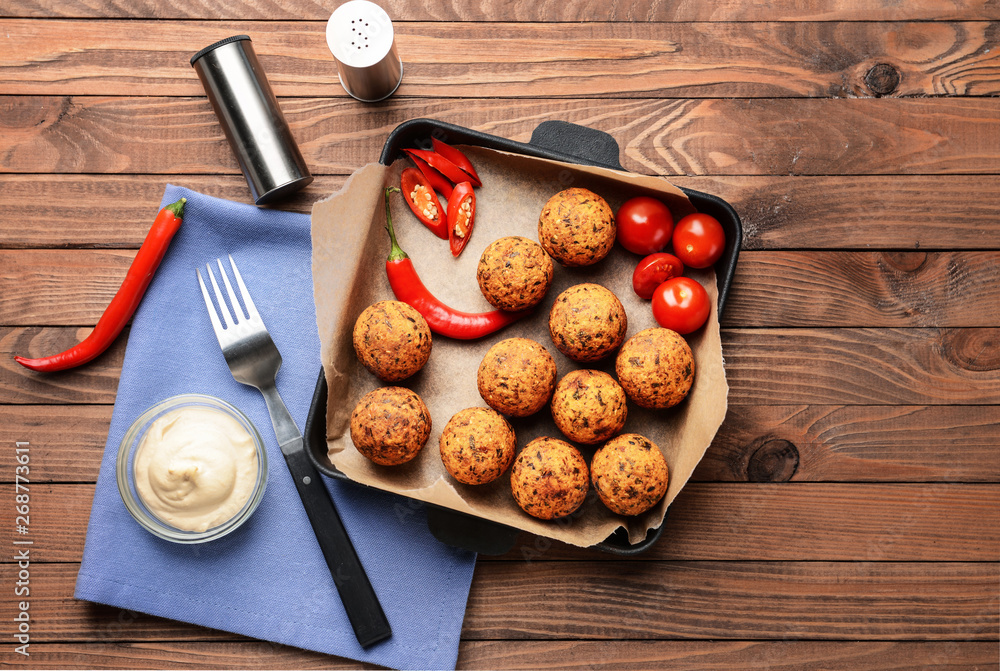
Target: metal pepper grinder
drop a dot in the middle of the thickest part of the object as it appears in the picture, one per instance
(360, 36)
(251, 119)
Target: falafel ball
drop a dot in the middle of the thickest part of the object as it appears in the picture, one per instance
(629, 474)
(392, 340)
(588, 406)
(516, 377)
(577, 227)
(587, 322)
(477, 446)
(390, 425)
(656, 368)
(514, 273)
(549, 478)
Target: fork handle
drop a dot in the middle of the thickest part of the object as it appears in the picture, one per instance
(356, 592)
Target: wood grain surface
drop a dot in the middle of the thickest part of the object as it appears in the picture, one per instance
(646, 600)
(613, 655)
(666, 137)
(553, 12)
(914, 212)
(716, 521)
(528, 59)
(803, 443)
(847, 513)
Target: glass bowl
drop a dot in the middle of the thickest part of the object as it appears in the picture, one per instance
(129, 447)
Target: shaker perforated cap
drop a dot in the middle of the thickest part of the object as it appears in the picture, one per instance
(361, 38)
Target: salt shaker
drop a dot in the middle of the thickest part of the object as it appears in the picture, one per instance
(360, 36)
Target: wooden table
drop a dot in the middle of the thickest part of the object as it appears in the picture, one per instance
(846, 514)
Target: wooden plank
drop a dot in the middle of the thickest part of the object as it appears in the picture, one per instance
(114, 211)
(498, 10)
(892, 210)
(865, 289)
(815, 600)
(763, 367)
(795, 289)
(632, 601)
(666, 137)
(715, 655)
(97, 382)
(65, 443)
(946, 443)
(855, 443)
(812, 522)
(862, 366)
(531, 60)
(870, 212)
(708, 521)
(515, 655)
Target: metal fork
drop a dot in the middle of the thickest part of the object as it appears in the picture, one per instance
(254, 360)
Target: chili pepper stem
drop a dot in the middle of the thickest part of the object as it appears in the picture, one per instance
(396, 253)
(177, 208)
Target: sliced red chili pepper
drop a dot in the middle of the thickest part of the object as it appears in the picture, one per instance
(126, 300)
(437, 181)
(443, 320)
(458, 158)
(441, 164)
(419, 195)
(461, 217)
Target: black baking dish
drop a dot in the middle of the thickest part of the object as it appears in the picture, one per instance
(560, 141)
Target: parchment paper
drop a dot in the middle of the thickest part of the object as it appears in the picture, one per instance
(349, 250)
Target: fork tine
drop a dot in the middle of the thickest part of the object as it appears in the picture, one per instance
(227, 318)
(237, 310)
(251, 308)
(212, 314)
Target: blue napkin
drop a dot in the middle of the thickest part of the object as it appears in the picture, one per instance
(268, 579)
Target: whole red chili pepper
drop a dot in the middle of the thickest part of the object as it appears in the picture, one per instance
(443, 320)
(123, 305)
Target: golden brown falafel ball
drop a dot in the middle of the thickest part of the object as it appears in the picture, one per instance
(516, 377)
(587, 322)
(514, 273)
(630, 474)
(477, 446)
(588, 406)
(392, 340)
(549, 478)
(656, 368)
(390, 425)
(577, 227)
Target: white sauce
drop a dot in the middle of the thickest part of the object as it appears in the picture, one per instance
(196, 468)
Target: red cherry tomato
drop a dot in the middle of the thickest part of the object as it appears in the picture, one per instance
(699, 240)
(644, 225)
(653, 271)
(681, 304)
